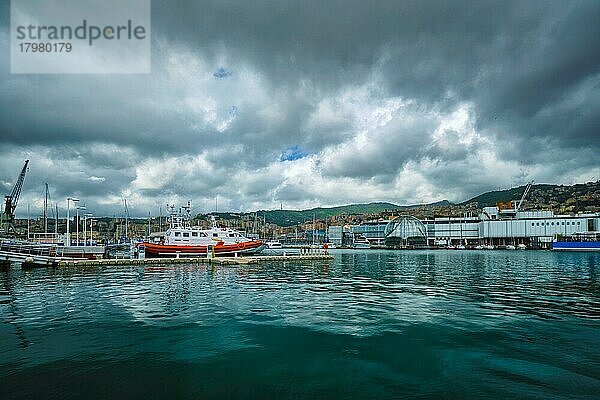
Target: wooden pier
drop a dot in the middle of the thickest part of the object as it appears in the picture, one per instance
(31, 255)
(196, 260)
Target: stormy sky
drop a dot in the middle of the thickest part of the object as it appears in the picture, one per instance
(315, 103)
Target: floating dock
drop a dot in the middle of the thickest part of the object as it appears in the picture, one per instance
(33, 260)
(35, 255)
(195, 260)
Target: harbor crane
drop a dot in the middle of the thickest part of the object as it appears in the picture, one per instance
(10, 203)
(525, 192)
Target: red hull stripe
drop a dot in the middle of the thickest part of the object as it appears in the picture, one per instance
(219, 248)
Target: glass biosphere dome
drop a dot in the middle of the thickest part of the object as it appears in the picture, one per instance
(405, 231)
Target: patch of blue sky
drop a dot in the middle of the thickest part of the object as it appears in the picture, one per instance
(222, 73)
(292, 153)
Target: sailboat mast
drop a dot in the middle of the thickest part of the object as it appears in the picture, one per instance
(126, 220)
(46, 211)
(313, 229)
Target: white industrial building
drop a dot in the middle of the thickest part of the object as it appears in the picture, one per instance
(496, 226)
(506, 226)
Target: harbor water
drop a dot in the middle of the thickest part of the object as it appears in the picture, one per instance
(368, 324)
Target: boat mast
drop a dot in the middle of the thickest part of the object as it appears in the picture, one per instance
(313, 229)
(46, 210)
(461, 228)
(126, 219)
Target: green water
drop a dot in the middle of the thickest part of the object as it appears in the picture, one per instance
(369, 324)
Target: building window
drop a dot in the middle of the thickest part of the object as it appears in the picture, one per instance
(553, 224)
(194, 233)
(177, 233)
(563, 222)
(532, 224)
(538, 224)
(186, 234)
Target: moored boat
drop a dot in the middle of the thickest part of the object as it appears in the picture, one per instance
(584, 241)
(183, 239)
(361, 242)
(273, 244)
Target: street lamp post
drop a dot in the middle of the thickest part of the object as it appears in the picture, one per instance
(74, 200)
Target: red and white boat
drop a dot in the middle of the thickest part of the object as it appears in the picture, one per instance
(182, 239)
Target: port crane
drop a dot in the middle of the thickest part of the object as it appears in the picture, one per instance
(10, 203)
(525, 192)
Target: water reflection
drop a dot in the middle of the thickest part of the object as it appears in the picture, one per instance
(398, 323)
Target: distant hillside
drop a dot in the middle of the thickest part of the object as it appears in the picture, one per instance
(295, 217)
(568, 198)
(491, 198)
(562, 198)
(291, 217)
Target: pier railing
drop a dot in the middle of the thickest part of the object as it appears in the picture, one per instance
(37, 249)
(27, 248)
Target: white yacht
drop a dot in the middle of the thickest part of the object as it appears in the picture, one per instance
(361, 242)
(273, 244)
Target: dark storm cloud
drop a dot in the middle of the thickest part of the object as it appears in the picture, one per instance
(321, 77)
(513, 59)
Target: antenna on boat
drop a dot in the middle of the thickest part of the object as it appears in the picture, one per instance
(160, 218)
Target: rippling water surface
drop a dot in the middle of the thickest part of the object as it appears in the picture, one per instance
(369, 324)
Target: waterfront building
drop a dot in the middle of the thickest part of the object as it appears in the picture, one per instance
(335, 234)
(403, 232)
(535, 228)
(498, 226)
